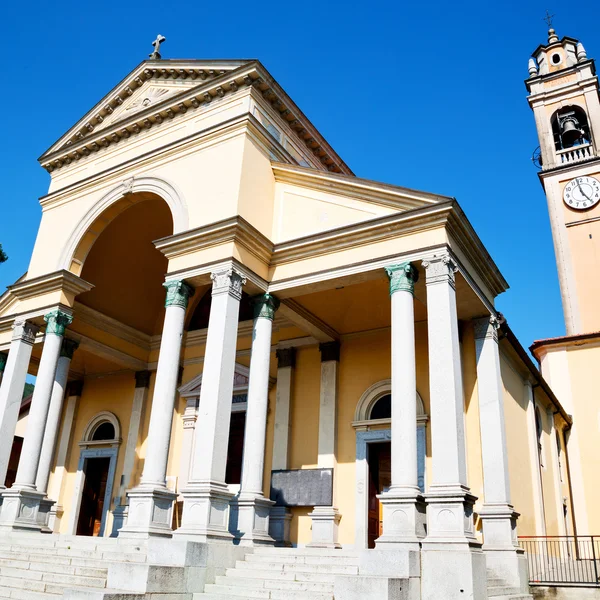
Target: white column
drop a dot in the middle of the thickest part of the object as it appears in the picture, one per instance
(55, 490)
(253, 507)
(281, 516)
(54, 411)
(21, 504)
(498, 516)
(138, 406)
(11, 389)
(51, 432)
(325, 519)
(453, 565)
(403, 509)
(151, 502)
(206, 499)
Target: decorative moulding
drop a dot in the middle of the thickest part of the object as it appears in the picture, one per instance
(235, 229)
(62, 280)
(208, 84)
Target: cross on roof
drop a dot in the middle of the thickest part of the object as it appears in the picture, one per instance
(156, 43)
(548, 18)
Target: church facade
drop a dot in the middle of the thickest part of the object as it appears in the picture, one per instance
(238, 342)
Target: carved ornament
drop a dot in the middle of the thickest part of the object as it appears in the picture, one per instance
(402, 277)
(178, 293)
(265, 306)
(228, 281)
(57, 321)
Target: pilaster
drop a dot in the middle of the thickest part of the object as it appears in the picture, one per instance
(138, 407)
(325, 519)
(281, 516)
(206, 497)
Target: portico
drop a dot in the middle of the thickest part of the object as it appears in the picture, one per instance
(285, 354)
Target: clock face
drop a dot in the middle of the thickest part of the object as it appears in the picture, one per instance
(582, 192)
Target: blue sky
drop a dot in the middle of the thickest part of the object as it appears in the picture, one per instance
(427, 95)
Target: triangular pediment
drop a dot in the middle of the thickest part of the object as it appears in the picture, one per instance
(146, 90)
(241, 379)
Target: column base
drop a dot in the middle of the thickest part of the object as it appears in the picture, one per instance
(404, 520)
(453, 574)
(249, 520)
(206, 513)
(150, 513)
(450, 518)
(120, 516)
(279, 525)
(20, 510)
(55, 517)
(325, 524)
(43, 516)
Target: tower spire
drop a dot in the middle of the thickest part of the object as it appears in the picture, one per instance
(552, 37)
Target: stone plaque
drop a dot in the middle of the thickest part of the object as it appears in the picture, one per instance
(302, 487)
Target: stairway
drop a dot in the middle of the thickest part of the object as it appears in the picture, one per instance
(498, 590)
(283, 574)
(42, 567)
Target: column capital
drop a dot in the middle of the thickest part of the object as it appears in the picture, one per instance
(178, 293)
(142, 379)
(286, 357)
(68, 348)
(486, 328)
(440, 269)
(330, 351)
(57, 322)
(264, 306)
(3, 358)
(24, 331)
(75, 388)
(228, 281)
(402, 277)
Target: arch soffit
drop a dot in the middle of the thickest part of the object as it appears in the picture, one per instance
(574, 102)
(102, 417)
(373, 393)
(154, 185)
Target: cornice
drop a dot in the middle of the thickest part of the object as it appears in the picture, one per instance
(82, 140)
(334, 240)
(366, 190)
(58, 281)
(235, 229)
(578, 339)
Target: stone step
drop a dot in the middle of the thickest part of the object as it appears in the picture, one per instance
(504, 591)
(24, 566)
(273, 584)
(64, 556)
(236, 592)
(29, 595)
(269, 550)
(307, 576)
(301, 559)
(299, 567)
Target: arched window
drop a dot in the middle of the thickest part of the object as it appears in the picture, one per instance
(570, 127)
(539, 429)
(382, 409)
(103, 428)
(376, 404)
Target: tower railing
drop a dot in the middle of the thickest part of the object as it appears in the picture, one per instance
(575, 154)
(562, 560)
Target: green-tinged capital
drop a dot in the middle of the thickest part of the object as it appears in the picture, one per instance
(68, 348)
(57, 322)
(265, 306)
(178, 293)
(402, 277)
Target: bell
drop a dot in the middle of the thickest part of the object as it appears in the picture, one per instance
(570, 131)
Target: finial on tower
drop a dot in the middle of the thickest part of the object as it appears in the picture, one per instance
(156, 43)
(552, 37)
(532, 67)
(581, 53)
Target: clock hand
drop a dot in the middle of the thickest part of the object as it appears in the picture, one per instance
(581, 190)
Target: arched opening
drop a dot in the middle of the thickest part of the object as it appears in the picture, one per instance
(104, 432)
(126, 269)
(570, 128)
(382, 409)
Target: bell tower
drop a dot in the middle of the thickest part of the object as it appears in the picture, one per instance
(563, 94)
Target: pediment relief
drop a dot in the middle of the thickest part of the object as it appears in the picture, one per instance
(241, 379)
